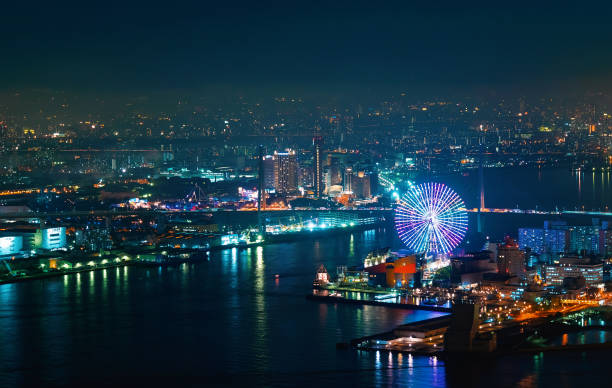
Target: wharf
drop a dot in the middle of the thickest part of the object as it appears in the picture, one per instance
(62, 272)
(335, 299)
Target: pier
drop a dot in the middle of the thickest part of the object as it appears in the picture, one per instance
(338, 299)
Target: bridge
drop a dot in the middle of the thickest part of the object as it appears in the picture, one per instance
(542, 212)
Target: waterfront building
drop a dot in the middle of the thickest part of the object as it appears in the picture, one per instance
(395, 271)
(342, 218)
(376, 257)
(573, 267)
(53, 238)
(423, 330)
(36, 238)
(322, 277)
(347, 277)
(10, 246)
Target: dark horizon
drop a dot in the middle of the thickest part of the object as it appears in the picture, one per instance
(300, 48)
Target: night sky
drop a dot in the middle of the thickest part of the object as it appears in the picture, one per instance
(270, 46)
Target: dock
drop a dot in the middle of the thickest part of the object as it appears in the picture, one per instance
(407, 306)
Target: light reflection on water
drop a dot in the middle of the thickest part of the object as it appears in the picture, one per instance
(228, 316)
(582, 338)
(225, 320)
(230, 321)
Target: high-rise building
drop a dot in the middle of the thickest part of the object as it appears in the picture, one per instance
(305, 175)
(576, 239)
(584, 239)
(318, 166)
(286, 171)
(605, 242)
(510, 259)
(269, 172)
(334, 166)
(543, 241)
(347, 181)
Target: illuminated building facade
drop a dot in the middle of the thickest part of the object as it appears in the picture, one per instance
(286, 172)
(605, 243)
(318, 167)
(584, 239)
(53, 238)
(510, 259)
(347, 186)
(35, 238)
(540, 241)
(395, 272)
(10, 245)
(269, 172)
(574, 268)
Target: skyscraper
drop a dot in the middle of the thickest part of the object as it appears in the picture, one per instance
(318, 166)
(348, 180)
(269, 172)
(286, 172)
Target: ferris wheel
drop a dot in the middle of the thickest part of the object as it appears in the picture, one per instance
(431, 218)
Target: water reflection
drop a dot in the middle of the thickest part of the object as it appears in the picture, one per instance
(260, 339)
(222, 317)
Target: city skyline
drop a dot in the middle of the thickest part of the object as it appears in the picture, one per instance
(305, 194)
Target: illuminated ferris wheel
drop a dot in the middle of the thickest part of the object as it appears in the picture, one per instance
(431, 218)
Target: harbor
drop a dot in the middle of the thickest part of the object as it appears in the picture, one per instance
(471, 321)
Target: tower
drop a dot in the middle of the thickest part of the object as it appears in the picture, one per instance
(318, 165)
(260, 188)
(348, 180)
(286, 172)
(481, 204)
